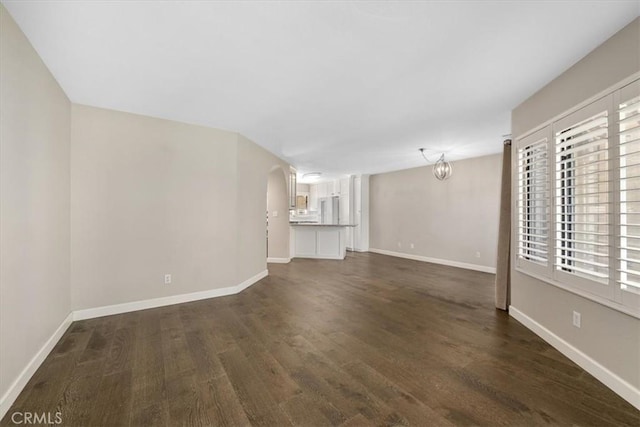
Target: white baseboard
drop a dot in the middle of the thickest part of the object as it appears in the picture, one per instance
(621, 387)
(450, 263)
(108, 310)
(279, 260)
(14, 390)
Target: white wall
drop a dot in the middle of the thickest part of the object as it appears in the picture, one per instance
(610, 338)
(34, 208)
(448, 220)
(361, 213)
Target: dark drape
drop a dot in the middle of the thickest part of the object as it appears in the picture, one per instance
(503, 267)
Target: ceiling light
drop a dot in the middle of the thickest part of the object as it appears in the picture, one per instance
(312, 176)
(441, 169)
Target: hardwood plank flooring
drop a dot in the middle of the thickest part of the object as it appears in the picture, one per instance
(372, 340)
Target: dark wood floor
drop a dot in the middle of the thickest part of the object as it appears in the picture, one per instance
(373, 340)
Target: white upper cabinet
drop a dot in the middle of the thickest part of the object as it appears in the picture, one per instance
(333, 188)
(339, 187)
(313, 197)
(323, 190)
(344, 186)
(344, 218)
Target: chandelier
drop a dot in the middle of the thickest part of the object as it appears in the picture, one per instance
(441, 169)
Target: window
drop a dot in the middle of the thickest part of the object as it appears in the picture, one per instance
(533, 200)
(582, 197)
(628, 117)
(578, 201)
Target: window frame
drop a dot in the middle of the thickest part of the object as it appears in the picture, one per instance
(592, 286)
(610, 294)
(534, 138)
(631, 297)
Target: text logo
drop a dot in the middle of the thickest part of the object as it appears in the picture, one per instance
(36, 418)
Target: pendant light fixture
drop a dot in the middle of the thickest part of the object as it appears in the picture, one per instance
(441, 169)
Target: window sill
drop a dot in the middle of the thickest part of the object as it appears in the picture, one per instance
(591, 297)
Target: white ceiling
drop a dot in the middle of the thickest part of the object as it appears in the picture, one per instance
(337, 87)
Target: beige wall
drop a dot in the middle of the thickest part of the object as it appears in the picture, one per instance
(611, 62)
(34, 208)
(149, 197)
(607, 336)
(278, 203)
(450, 220)
(254, 165)
(98, 205)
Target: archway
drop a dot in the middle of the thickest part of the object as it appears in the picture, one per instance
(277, 216)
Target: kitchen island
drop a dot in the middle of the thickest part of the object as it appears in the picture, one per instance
(316, 240)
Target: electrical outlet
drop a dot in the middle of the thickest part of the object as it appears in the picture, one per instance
(275, 214)
(167, 279)
(411, 245)
(577, 318)
(477, 254)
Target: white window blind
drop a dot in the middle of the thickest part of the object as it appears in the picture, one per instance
(533, 202)
(629, 228)
(578, 200)
(583, 209)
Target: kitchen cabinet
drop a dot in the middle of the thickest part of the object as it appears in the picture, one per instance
(345, 183)
(354, 207)
(333, 188)
(323, 190)
(344, 210)
(318, 241)
(313, 197)
(340, 188)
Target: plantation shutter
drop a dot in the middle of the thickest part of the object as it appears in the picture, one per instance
(582, 195)
(628, 113)
(533, 209)
(578, 200)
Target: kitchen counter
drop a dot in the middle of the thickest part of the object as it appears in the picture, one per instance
(317, 240)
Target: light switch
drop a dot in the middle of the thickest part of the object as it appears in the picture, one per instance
(577, 319)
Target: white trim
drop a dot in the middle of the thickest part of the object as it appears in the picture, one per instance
(584, 294)
(450, 263)
(330, 257)
(16, 387)
(108, 310)
(279, 260)
(621, 387)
